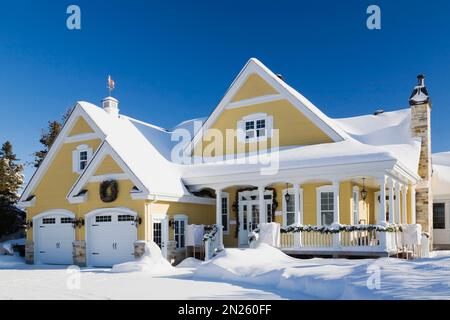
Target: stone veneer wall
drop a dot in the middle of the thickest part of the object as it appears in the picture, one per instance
(421, 128)
(29, 252)
(79, 253)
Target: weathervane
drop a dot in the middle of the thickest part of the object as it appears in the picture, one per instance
(111, 85)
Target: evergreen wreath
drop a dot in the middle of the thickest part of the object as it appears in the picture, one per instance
(109, 190)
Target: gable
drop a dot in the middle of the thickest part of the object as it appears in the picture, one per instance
(59, 178)
(80, 127)
(108, 166)
(255, 86)
(294, 128)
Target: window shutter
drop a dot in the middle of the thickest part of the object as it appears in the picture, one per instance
(75, 161)
(241, 131)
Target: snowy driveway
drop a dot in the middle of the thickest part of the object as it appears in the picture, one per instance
(263, 273)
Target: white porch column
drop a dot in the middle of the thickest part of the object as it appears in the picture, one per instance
(336, 236)
(397, 202)
(391, 201)
(219, 216)
(382, 206)
(262, 205)
(336, 201)
(298, 214)
(404, 203)
(413, 204)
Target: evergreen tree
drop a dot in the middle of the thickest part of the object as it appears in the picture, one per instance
(11, 175)
(48, 136)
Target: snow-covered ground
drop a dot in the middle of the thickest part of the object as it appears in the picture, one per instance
(262, 273)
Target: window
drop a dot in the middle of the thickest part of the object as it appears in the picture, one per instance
(157, 233)
(66, 220)
(48, 221)
(80, 158)
(355, 205)
(225, 211)
(255, 127)
(180, 222)
(325, 205)
(83, 160)
(439, 216)
(125, 217)
(103, 219)
(289, 207)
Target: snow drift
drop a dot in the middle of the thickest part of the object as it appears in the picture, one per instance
(151, 262)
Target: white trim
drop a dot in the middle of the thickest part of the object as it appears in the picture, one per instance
(355, 211)
(254, 66)
(253, 101)
(319, 191)
(292, 194)
(81, 137)
(164, 220)
(113, 176)
(68, 126)
(28, 204)
(183, 199)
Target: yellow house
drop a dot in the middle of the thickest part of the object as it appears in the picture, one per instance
(264, 154)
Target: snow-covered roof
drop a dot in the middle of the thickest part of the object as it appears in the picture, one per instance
(441, 173)
(143, 148)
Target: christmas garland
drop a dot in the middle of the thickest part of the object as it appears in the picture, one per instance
(109, 190)
(235, 206)
(337, 228)
(210, 232)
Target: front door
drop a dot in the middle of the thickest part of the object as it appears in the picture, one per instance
(160, 232)
(249, 219)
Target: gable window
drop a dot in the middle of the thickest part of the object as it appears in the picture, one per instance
(439, 216)
(80, 158)
(225, 212)
(255, 127)
(325, 205)
(180, 222)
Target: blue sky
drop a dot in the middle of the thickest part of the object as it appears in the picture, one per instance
(173, 60)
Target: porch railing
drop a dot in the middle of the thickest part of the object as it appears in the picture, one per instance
(213, 241)
(382, 239)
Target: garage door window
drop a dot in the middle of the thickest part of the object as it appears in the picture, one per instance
(125, 217)
(66, 220)
(103, 219)
(180, 223)
(48, 221)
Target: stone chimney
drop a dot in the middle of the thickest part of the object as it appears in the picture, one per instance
(420, 103)
(111, 106)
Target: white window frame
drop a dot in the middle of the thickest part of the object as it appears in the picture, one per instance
(319, 191)
(254, 117)
(177, 218)
(76, 157)
(292, 193)
(355, 195)
(226, 228)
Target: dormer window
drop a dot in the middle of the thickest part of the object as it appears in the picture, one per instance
(80, 158)
(255, 127)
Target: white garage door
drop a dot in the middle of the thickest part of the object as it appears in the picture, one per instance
(111, 237)
(55, 236)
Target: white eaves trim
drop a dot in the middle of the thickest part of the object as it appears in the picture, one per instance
(254, 66)
(253, 101)
(28, 204)
(81, 137)
(60, 139)
(115, 176)
(88, 174)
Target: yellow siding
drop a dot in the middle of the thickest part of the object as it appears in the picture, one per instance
(197, 213)
(295, 129)
(80, 127)
(108, 166)
(255, 86)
